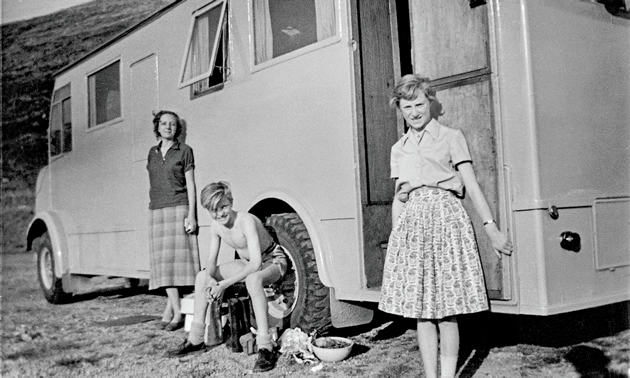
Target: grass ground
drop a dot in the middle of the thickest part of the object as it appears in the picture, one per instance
(71, 340)
(17, 211)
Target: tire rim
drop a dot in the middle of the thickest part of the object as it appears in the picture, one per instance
(46, 268)
(282, 298)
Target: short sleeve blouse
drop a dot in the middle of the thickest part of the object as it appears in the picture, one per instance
(167, 175)
(433, 160)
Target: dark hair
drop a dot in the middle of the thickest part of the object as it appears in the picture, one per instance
(156, 123)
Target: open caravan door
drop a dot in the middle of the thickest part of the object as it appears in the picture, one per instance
(450, 45)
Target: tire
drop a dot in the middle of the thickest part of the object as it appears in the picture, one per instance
(50, 284)
(300, 299)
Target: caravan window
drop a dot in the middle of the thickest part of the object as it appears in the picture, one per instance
(205, 60)
(61, 122)
(104, 95)
(283, 26)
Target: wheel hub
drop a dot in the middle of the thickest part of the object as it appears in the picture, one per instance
(47, 273)
(281, 297)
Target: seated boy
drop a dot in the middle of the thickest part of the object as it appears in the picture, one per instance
(262, 262)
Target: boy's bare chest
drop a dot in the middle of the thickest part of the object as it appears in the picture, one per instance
(234, 237)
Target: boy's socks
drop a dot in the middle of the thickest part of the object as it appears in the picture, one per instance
(197, 333)
(264, 342)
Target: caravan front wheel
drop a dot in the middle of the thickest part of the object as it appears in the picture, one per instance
(50, 284)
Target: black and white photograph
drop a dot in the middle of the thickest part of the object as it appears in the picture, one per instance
(315, 188)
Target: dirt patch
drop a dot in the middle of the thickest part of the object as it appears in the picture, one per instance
(110, 334)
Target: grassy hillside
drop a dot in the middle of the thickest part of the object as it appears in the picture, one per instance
(32, 51)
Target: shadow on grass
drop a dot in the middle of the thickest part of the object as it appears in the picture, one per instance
(127, 320)
(358, 349)
(33, 351)
(74, 361)
(118, 292)
(397, 327)
(481, 332)
(591, 362)
(28, 353)
(109, 293)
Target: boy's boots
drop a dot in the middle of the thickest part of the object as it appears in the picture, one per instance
(214, 326)
(236, 329)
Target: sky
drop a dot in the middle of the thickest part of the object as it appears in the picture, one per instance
(17, 10)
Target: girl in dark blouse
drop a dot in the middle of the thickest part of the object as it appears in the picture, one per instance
(173, 248)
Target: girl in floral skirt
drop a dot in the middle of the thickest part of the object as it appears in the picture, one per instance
(432, 269)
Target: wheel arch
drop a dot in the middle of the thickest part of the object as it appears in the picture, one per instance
(50, 222)
(269, 203)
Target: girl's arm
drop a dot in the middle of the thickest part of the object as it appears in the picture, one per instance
(500, 242)
(191, 221)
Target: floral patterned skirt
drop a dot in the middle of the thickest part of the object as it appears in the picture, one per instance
(432, 268)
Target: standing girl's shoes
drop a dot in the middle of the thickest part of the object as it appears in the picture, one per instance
(162, 324)
(175, 325)
(167, 317)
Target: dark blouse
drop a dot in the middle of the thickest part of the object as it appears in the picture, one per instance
(167, 175)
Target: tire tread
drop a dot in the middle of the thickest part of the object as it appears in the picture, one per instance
(316, 311)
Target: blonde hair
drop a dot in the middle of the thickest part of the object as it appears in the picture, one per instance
(409, 87)
(213, 193)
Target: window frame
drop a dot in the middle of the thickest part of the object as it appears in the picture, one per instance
(295, 53)
(182, 81)
(60, 102)
(224, 47)
(95, 126)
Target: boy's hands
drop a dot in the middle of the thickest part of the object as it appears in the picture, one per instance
(214, 290)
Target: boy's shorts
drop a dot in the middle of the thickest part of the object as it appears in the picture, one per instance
(275, 254)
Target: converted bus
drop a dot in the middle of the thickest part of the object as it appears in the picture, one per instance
(288, 101)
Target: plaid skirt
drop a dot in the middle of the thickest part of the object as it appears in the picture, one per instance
(432, 268)
(174, 253)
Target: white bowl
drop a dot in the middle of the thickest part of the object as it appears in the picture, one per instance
(331, 354)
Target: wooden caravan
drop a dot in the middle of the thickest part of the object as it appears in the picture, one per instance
(288, 101)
